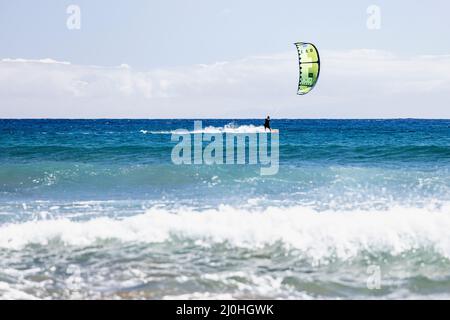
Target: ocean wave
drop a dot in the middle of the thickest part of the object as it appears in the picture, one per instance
(317, 236)
(228, 128)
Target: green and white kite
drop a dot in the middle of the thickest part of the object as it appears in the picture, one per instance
(309, 62)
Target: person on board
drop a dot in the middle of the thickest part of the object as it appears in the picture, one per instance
(267, 124)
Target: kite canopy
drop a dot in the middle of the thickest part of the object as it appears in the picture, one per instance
(309, 62)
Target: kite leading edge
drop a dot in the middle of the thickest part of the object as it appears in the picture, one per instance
(309, 63)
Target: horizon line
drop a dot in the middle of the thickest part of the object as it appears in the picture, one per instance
(199, 118)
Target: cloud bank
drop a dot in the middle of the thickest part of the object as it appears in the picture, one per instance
(352, 84)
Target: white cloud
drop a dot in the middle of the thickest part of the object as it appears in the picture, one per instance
(35, 61)
(353, 84)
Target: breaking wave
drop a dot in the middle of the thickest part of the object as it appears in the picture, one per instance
(228, 128)
(318, 236)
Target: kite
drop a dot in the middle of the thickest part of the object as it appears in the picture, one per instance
(309, 63)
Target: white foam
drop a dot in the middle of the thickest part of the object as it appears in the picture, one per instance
(318, 235)
(244, 284)
(229, 128)
(7, 292)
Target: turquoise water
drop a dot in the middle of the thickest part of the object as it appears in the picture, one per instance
(97, 209)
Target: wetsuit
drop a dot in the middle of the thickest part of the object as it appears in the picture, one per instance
(267, 124)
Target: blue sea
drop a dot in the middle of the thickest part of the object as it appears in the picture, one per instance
(96, 209)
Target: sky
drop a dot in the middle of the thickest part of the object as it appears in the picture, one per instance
(223, 59)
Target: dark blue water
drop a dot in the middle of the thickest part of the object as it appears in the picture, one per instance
(131, 159)
(348, 194)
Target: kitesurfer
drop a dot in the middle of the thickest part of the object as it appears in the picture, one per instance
(267, 124)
